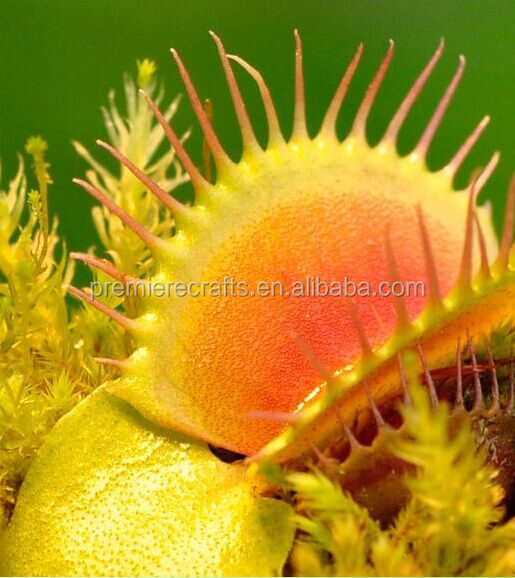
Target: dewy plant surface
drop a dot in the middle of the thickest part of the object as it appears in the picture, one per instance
(310, 405)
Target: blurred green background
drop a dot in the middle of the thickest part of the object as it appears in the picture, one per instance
(58, 60)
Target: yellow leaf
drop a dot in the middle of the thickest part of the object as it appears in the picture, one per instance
(111, 494)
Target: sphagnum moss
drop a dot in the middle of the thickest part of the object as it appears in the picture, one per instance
(45, 360)
(306, 381)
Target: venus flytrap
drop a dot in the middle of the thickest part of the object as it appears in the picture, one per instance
(149, 474)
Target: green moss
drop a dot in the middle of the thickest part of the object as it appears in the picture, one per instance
(46, 346)
(449, 527)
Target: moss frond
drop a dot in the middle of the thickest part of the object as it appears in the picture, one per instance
(42, 373)
(46, 349)
(450, 525)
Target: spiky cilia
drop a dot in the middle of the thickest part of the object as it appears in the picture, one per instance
(324, 215)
